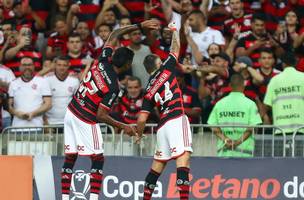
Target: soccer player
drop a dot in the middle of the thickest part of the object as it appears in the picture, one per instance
(90, 105)
(174, 138)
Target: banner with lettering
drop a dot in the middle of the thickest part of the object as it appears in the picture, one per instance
(211, 178)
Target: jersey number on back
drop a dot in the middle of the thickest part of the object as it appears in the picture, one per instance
(83, 89)
(168, 95)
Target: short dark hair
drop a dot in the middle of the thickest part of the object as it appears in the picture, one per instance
(62, 57)
(236, 81)
(122, 56)
(150, 63)
(198, 12)
(74, 35)
(258, 16)
(103, 24)
(266, 50)
(289, 59)
(135, 78)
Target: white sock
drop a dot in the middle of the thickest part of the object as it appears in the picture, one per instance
(65, 197)
(94, 196)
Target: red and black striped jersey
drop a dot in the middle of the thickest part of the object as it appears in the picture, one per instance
(77, 64)
(164, 93)
(161, 49)
(267, 77)
(157, 13)
(14, 63)
(41, 7)
(275, 12)
(99, 88)
(136, 9)
(191, 101)
(129, 107)
(244, 22)
(246, 43)
(216, 21)
(89, 10)
(58, 42)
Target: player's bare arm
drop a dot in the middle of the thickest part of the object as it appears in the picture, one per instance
(149, 24)
(141, 123)
(104, 117)
(175, 42)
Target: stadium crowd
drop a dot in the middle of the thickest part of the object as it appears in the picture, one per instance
(46, 45)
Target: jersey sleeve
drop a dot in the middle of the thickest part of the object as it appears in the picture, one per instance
(147, 105)
(45, 88)
(105, 54)
(170, 62)
(11, 91)
(254, 115)
(108, 100)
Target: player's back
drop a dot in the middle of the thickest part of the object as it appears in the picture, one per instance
(98, 88)
(163, 92)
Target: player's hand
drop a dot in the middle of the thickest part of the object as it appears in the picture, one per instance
(129, 130)
(172, 26)
(138, 138)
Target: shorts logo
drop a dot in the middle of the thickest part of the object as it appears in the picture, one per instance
(80, 148)
(173, 150)
(158, 154)
(67, 147)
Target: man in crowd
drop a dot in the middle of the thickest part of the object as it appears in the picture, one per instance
(29, 96)
(63, 86)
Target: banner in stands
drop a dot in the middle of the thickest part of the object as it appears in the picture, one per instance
(211, 178)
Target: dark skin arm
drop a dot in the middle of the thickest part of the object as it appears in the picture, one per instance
(104, 117)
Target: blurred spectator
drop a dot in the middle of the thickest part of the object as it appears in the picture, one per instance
(285, 94)
(234, 110)
(215, 77)
(275, 11)
(238, 17)
(26, 17)
(63, 87)
(75, 55)
(6, 77)
(184, 9)
(190, 100)
(267, 70)
(8, 12)
(23, 47)
(140, 52)
(29, 96)
(57, 41)
(103, 32)
(130, 101)
(200, 32)
(218, 12)
(258, 39)
(108, 15)
(88, 43)
(136, 10)
(59, 10)
(160, 45)
(125, 39)
(85, 11)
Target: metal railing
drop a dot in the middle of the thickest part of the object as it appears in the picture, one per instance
(269, 141)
